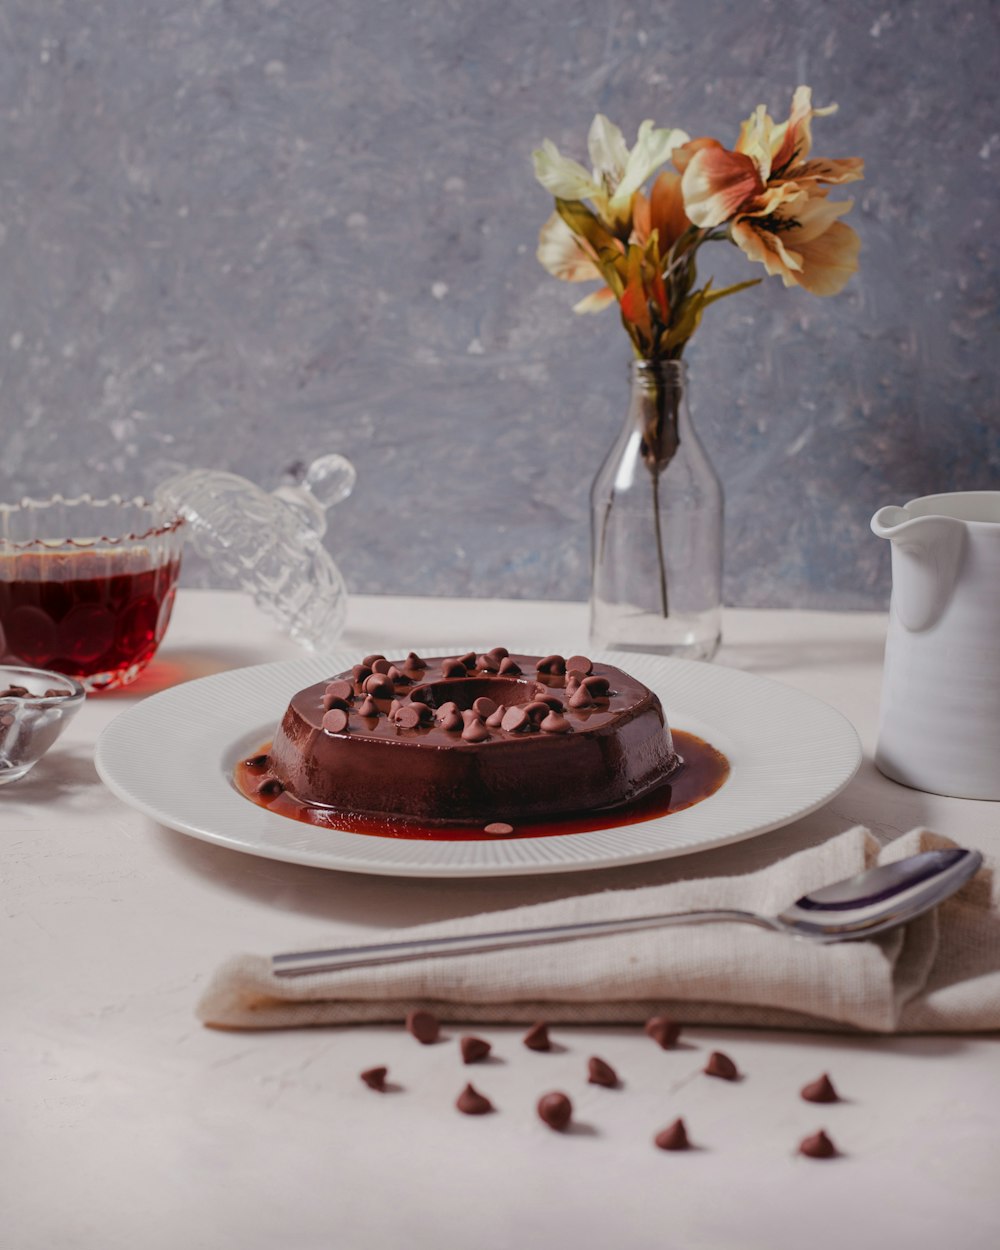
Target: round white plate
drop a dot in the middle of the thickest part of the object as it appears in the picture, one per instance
(172, 757)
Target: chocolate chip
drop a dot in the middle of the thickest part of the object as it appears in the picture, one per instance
(270, 788)
(369, 660)
(414, 661)
(495, 719)
(555, 1110)
(421, 695)
(330, 701)
(341, 690)
(368, 707)
(471, 1102)
(537, 1037)
(818, 1146)
(381, 666)
(509, 668)
(537, 710)
(515, 719)
(473, 1048)
(673, 1137)
(820, 1090)
(424, 1026)
(484, 707)
(360, 672)
(579, 664)
(553, 664)
(722, 1066)
(408, 717)
(396, 677)
(499, 653)
(446, 709)
(499, 828)
(601, 1073)
(663, 1031)
(475, 731)
(335, 721)
(581, 698)
(55, 694)
(469, 659)
(453, 668)
(572, 683)
(452, 722)
(374, 1078)
(598, 686)
(556, 723)
(378, 686)
(395, 707)
(487, 663)
(256, 761)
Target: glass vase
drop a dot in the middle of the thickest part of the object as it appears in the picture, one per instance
(656, 527)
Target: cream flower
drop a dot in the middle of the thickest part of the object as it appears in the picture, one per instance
(802, 241)
(564, 256)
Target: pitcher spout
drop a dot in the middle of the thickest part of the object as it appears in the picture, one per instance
(926, 556)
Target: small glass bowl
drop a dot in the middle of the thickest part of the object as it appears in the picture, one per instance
(87, 585)
(31, 721)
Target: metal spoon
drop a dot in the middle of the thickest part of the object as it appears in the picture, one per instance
(859, 907)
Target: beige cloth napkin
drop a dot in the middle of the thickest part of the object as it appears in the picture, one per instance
(941, 973)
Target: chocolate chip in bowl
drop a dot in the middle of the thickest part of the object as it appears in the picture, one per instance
(36, 705)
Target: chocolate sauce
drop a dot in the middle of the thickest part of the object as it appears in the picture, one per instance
(703, 771)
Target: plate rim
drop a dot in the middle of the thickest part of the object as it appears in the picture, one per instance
(117, 745)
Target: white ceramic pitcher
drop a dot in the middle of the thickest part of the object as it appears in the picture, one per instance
(940, 719)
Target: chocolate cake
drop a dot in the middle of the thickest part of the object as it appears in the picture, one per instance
(473, 738)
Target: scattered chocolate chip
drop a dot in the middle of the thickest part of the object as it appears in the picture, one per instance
(509, 668)
(56, 694)
(396, 677)
(820, 1090)
(601, 1073)
(471, 1102)
(369, 660)
(499, 653)
(495, 719)
(818, 1146)
(452, 722)
(722, 1066)
(330, 701)
(374, 1078)
(555, 1110)
(537, 1037)
(335, 721)
(475, 731)
(395, 707)
(360, 672)
(484, 707)
(473, 1048)
(663, 1031)
(446, 710)
(408, 717)
(580, 698)
(453, 668)
(270, 788)
(537, 710)
(381, 666)
(553, 664)
(499, 828)
(368, 707)
(598, 686)
(487, 663)
(556, 723)
(579, 664)
(424, 1026)
(469, 659)
(341, 690)
(413, 661)
(15, 692)
(515, 719)
(673, 1137)
(256, 761)
(378, 686)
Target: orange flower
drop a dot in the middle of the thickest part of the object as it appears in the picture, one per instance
(663, 212)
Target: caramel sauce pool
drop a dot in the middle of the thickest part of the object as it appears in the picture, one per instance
(704, 770)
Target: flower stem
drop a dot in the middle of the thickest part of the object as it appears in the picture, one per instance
(664, 602)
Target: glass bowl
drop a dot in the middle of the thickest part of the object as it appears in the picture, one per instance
(35, 706)
(87, 585)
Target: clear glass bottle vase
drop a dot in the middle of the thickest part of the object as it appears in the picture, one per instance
(656, 527)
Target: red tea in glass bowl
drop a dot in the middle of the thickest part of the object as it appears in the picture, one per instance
(87, 585)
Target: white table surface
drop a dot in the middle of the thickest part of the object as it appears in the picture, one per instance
(126, 1124)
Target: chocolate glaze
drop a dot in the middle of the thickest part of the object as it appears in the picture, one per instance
(591, 758)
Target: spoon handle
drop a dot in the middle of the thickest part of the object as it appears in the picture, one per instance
(308, 963)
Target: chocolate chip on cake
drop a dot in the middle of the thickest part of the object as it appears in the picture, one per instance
(599, 687)
(424, 1026)
(498, 828)
(421, 695)
(580, 698)
(553, 664)
(471, 1102)
(537, 710)
(408, 717)
(474, 1049)
(663, 1031)
(673, 1137)
(537, 1037)
(369, 660)
(359, 672)
(601, 1073)
(817, 1146)
(381, 666)
(335, 721)
(495, 719)
(452, 721)
(579, 664)
(341, 690)
(484, 707)
(468, 660)
(453, 668)
(475, 731)
(374, 1078)
(509, 668)
(722, 1066)
(396, 677)
(556, 723)
(820, 1090)
(330, 701)
(368, 707)
(515, 719)
(555, 1110)
(499, 653)
(378, 686)
(487, 664)
(413, 661)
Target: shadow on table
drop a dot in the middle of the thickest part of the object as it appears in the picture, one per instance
(825, 653)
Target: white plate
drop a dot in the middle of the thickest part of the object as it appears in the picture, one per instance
(172, 757)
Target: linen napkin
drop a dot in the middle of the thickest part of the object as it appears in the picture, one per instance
(940, 973)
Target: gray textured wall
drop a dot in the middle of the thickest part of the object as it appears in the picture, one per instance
(238, 233)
